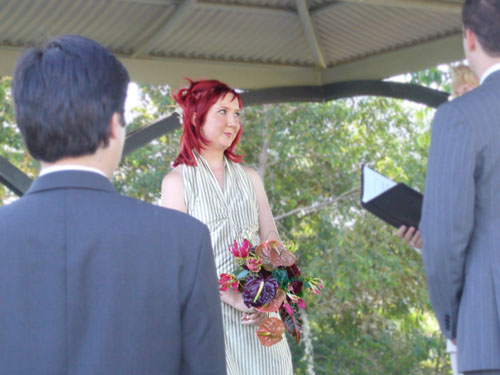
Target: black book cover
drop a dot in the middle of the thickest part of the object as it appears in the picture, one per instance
(397, 205)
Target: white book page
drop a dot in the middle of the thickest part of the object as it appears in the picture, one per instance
(374, 184)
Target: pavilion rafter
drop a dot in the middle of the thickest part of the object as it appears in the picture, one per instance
(182, 11)
(432, 5)
(152, 2)
(12, 177)
(311, 34)
(264, 10)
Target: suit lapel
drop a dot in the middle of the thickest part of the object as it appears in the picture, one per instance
(71, 180)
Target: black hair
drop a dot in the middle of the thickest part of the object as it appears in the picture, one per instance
(482, 17)
(65, 94)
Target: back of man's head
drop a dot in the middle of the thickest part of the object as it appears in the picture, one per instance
(482, 17)
(65, 94)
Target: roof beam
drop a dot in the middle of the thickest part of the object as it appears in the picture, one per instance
(419, 94)
(433, 5)
(311, 34)
(12, 177)
(145, 134)
(262, 10)
(181, 12)
(151, 2)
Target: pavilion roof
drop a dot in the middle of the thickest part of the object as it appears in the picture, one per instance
(249, 44)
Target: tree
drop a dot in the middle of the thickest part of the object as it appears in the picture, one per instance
(375, 302)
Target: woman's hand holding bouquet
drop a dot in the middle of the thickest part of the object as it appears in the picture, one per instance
(270, 281)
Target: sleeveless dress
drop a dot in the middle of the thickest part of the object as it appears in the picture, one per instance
(232, 214)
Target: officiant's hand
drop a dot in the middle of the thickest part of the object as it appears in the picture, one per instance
(411, 236)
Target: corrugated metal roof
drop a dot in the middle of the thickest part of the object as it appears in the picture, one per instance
(352, 31)
(266, 40)
(232, 36)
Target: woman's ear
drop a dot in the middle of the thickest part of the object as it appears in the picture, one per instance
(194, 118)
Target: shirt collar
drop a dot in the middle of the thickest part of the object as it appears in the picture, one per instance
(489, 72)
(70, 167)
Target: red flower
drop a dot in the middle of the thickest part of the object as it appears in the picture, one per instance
(316, 285)
(288, 309)
(241, 252)
(254, 265)
(302, 303)
(293, 271)
(226, 281)
(245, 248)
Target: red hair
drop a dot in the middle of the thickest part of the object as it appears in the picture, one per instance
(197, 99)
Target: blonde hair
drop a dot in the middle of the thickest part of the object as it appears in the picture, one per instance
(461, 75)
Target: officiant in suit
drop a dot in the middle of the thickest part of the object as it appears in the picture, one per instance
(92, 282)
(460, 224)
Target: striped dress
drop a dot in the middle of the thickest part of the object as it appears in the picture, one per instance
(231, 213)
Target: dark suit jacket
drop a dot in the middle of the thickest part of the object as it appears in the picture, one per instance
(461, 224)
(94, 283)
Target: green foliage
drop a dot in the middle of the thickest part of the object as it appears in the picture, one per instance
(141, 172)
(11, 143)
(436, 78)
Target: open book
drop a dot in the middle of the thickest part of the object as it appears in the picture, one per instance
(395, 203)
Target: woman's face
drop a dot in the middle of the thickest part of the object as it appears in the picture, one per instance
(222, 122)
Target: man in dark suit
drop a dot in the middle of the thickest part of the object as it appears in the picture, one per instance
(461, 214)
(91, 282)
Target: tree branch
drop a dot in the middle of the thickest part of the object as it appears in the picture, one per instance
(316, 206)
(264, 152)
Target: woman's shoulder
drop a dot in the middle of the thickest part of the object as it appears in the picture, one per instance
(172, 190)
(174, 177)
(175, 173)
(252, 174)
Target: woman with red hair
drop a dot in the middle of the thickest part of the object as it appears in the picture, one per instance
(208, 183)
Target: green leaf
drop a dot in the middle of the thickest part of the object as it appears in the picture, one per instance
(242, 274)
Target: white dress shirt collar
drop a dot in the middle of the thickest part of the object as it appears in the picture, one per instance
(70, 167)
(489, 72)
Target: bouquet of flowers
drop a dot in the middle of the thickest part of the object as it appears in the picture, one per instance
(270, 281)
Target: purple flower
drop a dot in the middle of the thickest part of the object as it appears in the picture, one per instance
(259, 290)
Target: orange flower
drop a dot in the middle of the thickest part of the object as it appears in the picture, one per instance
(270, 331)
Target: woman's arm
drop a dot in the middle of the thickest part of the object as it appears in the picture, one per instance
(267, 226)
(172, 190)
(235, 299)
